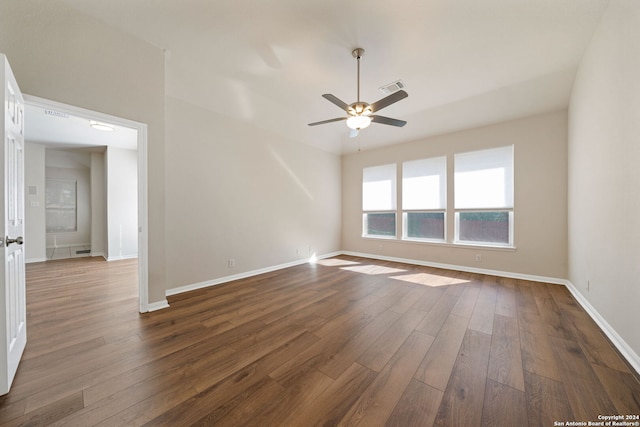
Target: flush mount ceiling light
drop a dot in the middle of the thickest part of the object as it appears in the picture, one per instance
(100, 126)
(360, 114)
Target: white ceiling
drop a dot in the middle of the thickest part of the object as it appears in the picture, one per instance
(466, 63)
(58, 129)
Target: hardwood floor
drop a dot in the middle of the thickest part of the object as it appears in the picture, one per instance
(346, 341)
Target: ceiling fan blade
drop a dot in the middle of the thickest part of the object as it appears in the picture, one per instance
(388, 121)
(388, 100)
(328, 121)
(337, 101)
(353, 133)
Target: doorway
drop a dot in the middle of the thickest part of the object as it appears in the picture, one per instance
(53, 124)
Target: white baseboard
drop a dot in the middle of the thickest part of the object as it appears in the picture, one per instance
(509, 274)
(158, 305)
(622, 346)
(193, 287)
(29, 261)
(97, 254)
(120, 258)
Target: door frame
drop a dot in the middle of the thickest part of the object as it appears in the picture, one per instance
(143, 233)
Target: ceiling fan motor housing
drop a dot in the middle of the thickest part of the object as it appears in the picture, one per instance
(360, 109)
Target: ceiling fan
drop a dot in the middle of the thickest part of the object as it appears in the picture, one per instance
(360, 114)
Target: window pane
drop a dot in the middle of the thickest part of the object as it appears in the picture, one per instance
(60, 198)
(490, 227)
(425, 225)
(380, 224)
(424, 183)
(484, 179)
(379, 188)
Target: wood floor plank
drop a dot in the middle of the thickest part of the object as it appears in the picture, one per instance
(537, 354)
(505, 360)
(506, 304)
(467, 301)
(462, 402)
(383, 349)
(551, 315)
(314, 344)
(437, 365)
(438, 314)
(195, 407)
(594, 343)
(418, 406)
(47, 415)
(338, 362)
(623, 387)
(405, 303)
(485, 308)
(335, 401)
(503, 405)
(578, 377)
(378, 400)
(547, 401)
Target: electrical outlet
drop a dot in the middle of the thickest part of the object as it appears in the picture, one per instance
(588, 285)
(232, 262)
(478, 257)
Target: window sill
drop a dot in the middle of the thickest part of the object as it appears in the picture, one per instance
(373, 236)
(486, 246)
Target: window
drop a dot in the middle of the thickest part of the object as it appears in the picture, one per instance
(424, 199)
(484, 196)
(379, 201)
(61, 213)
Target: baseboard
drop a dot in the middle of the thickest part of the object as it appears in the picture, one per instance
(244, 275)
(29, 261)
(622, 346)
(464, 268)
(96, 254)
(120, 258)
(158, 305)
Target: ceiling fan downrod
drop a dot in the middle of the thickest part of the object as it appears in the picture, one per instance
(358, 53)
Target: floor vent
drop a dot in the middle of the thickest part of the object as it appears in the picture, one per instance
(83, 251)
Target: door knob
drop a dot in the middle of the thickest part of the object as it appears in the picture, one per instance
(19, 240)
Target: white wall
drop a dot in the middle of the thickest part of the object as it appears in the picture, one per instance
(238, 192)
(35, 218)
(61, 54)
(98, 205)
(540, 205)
(73, 166)
(122, 203)
(604, 172)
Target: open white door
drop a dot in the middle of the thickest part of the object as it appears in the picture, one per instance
(13, 328)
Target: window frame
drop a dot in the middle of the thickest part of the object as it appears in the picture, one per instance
(508, 207)
(426, 167)
(393, 200)
(365, 224)
(405, 226)
(483, 243)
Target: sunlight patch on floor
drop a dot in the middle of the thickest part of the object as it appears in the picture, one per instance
(335, 262)
(373, 269)
(433, 280)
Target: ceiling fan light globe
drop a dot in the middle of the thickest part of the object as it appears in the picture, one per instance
(358, 122)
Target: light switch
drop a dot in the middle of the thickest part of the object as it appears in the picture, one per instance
(35, 204)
